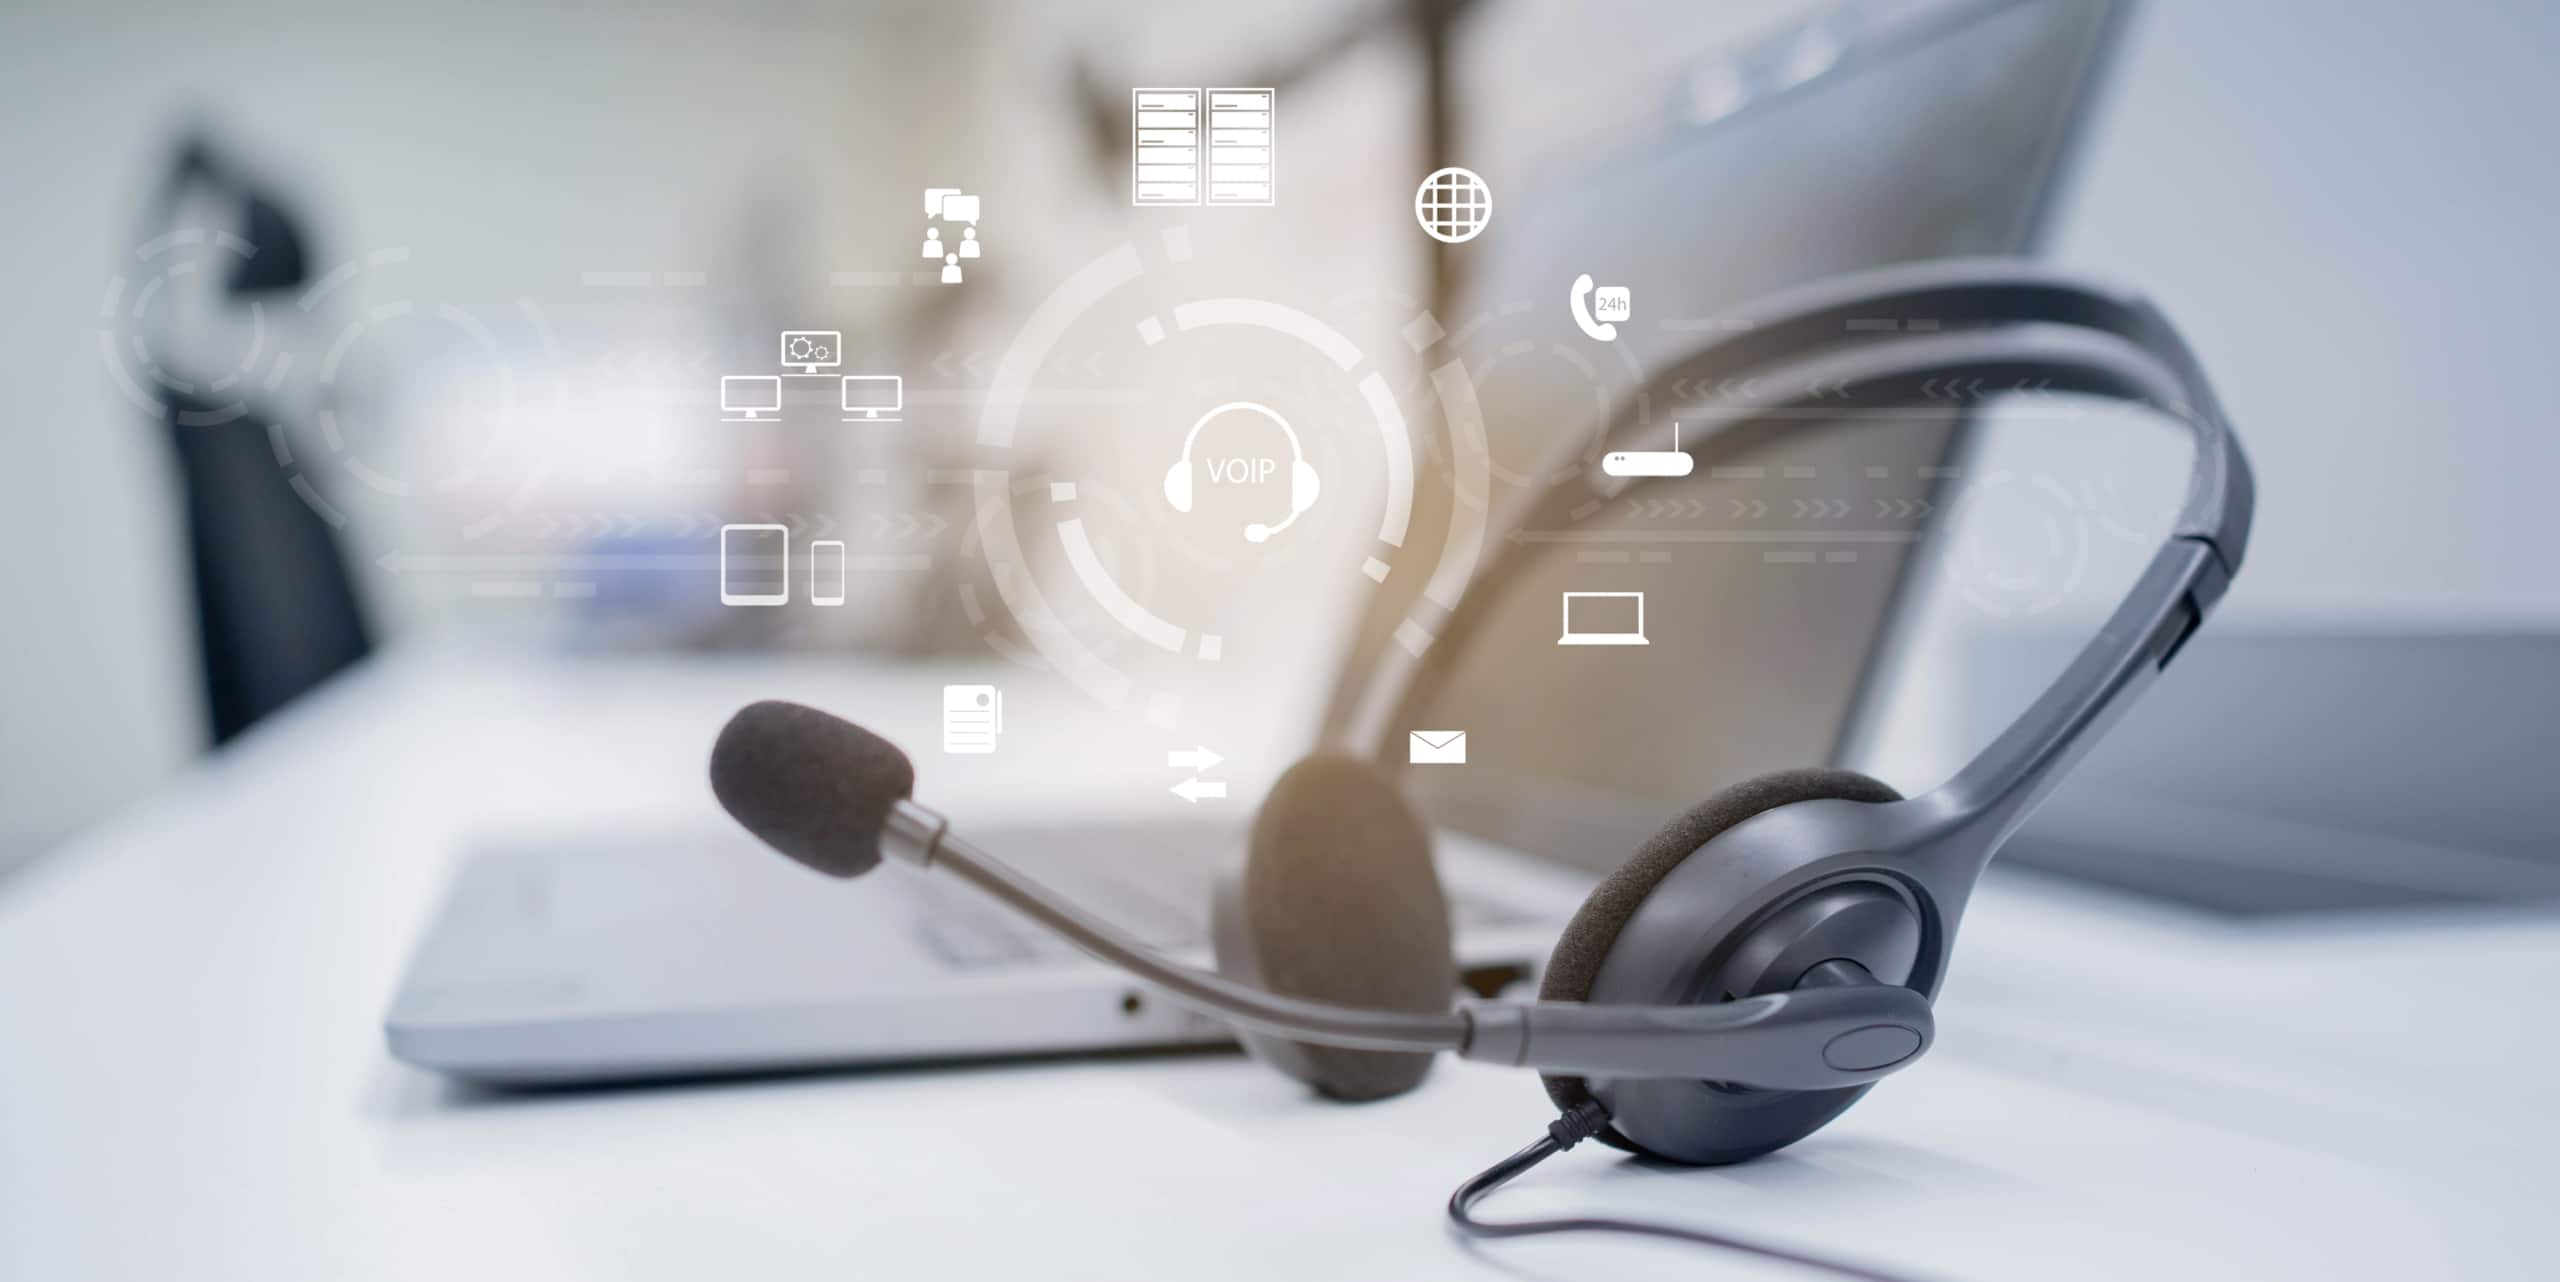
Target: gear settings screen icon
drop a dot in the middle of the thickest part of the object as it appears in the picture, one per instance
(812, 349)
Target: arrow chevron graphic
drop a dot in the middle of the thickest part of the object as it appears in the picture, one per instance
(1661, 509)
(905, 527)
(1194, 759)
(1976, 389)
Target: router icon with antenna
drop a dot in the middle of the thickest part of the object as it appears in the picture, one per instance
(1670, 462)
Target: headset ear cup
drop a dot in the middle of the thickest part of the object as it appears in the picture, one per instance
(1594, 929)
(1337, 901)
(1304, 486)
(1177, 485)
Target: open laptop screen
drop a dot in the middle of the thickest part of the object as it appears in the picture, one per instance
(1876, 133)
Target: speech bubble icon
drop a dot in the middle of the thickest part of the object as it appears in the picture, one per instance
(960, 207)
(933, 199)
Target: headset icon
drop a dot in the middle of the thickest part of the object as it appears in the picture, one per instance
(1304, 485)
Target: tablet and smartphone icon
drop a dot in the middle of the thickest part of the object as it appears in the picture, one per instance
(755, 567)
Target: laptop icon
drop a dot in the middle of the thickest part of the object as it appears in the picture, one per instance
(1603, 618)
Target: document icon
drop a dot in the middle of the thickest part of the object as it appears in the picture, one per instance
(972, 717)
(1436, 748)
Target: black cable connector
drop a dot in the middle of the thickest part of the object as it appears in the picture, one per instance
(1580, 1123)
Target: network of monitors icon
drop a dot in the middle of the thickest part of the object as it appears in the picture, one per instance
(812, 353)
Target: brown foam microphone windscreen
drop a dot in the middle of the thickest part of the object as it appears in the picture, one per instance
(1338, 902)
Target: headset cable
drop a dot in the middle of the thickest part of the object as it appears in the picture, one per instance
(1580, 1123)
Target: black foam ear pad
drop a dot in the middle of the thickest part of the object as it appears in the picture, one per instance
(1337, 901)
(1594, 929)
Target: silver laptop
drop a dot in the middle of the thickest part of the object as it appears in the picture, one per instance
(597, 960)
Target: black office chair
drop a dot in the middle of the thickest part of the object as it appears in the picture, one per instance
(276, 609)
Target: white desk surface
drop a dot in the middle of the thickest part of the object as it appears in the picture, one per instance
(193, 1082)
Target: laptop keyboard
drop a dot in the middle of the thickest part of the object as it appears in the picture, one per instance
(1152, 880)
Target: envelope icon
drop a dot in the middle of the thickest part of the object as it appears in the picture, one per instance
(1436, 748)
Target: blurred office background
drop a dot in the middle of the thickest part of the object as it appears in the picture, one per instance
(2347, 207)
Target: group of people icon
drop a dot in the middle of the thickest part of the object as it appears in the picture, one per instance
(935, 248)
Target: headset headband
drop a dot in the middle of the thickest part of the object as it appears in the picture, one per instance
(1297, 453)
(1894, 338)
(1961, 297)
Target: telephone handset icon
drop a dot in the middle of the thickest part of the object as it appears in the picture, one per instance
(1616, 302)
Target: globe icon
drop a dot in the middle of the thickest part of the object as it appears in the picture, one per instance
(1453, 205)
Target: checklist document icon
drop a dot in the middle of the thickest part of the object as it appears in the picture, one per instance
(972, 717)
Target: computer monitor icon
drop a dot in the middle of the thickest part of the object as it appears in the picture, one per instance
(744, 397)
(873, 398)
(1603, 618)
(812, 349)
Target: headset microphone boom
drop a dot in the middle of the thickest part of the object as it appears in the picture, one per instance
(835, 797)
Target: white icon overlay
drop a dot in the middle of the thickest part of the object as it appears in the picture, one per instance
(812, 353)
(872, 398)
(746, 398)
(1181, 154)
(755, 565)
(812, 349)
(955, 208)
(1596, 312)
(826, 572)
(1671, 462)
(1453, 205)
(1196, 789)
(1603, 619)
(1304, 485)
(972, 718)
(1435, 747)
(1164, 147)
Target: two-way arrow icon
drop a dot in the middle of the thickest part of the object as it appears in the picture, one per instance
(1196, 760)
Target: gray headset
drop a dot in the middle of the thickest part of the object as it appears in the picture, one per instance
(1761, 961)
(1761, 887)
